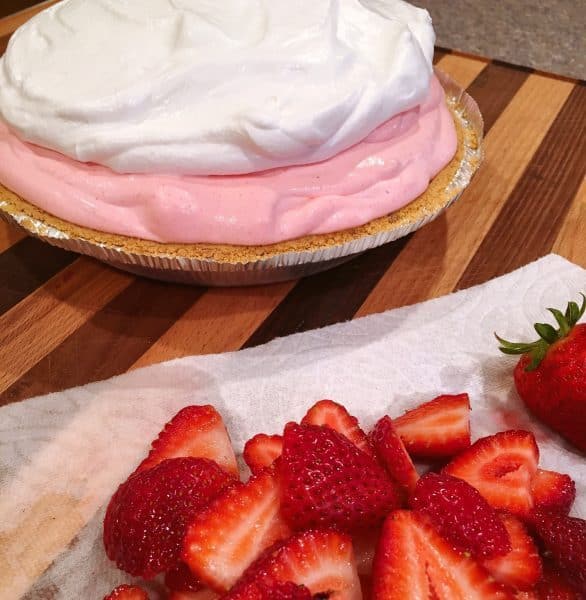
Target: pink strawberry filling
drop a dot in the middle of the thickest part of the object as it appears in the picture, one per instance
(383, 173)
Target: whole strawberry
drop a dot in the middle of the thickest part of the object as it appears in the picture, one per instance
(550, 376)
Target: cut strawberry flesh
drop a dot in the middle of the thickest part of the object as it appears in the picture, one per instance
(127, 592)
(196, 431)
(501, 467)
(227, 536)
(261, 451)
(335, 416)
(521, 567)
(414, 561)
(204, 594)
(391, 451)
(553, 491)
(323, 561)
(438, 429)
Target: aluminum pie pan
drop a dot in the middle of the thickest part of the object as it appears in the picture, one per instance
(220, 265)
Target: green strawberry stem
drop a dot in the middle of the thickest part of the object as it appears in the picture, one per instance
(548, 335)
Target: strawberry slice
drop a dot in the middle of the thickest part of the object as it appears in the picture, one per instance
(204, 594)
(334, 415)
(364, 544)
(461, 515)
(413, 561)
(196, 431)
(321, 560)
(554, 586)
(127, 592)
(225, 537)
(181, 579)
(147, 517)
(438, 429)
(261, 451)
(393, 455)
(521, 567)
(501, 467)
(553, 491)
(329, 482)
(565, 540)
(271, 590)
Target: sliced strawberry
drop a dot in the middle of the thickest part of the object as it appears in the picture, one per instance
(364, 544)
(196, 431)
(334, 415)
(521, 567)
(555, 586)
(321, 560)
(564, 539)
(181, 579)
(553, 491)
(271, 590)
(413, 561)
(127, 592)
(461, 515)
(438, 429)
(391, 451)
(262, 450)
(204, 594)
(501, 467)
(224, 538)
(329, 482)
(147, 516)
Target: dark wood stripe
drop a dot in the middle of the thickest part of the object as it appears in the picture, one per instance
(494, 88)
(110, 342)
(4, 43)
(328, 297)
(27, 265)
(531, 219)
(439, 54)
(8, 7)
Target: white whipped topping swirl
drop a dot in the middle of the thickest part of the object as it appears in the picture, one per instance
(208, 87)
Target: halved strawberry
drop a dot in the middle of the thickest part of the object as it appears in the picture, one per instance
(321, 560)
(334, 415)
(554, 586)
(461, 515)
(438, 429)
(262, 450)
(127, 592)
(271, 590)
(553, 491)
(196, 431)
(521, 567)
(181, 579)
(329, 482)
(224, 538)
(205, 594)
(413, 561)
(364, 544)
(393, 455)
(501, 467)
(564, 539)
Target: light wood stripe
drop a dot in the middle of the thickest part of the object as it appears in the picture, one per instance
(429, 267)
(12, 22)
(9, 235)
(571, 240)
(220, 321)
(464, 69)
(48, 316)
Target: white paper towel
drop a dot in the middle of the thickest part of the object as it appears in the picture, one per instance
(62, 455)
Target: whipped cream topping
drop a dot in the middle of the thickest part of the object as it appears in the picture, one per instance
(213, 87)
(375, 177)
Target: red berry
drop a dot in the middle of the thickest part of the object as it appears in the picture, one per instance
(181, 579)
(334, 415)
(196, 431)
(261, 451)
(127, 592)
(438, 429)
(553, 491)
(147, 516)
(461, 515)
(521, 567)
(501, 467)
(565, 540)
(271, 590)
(329, 482)
(555, 586)
(391, 451)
